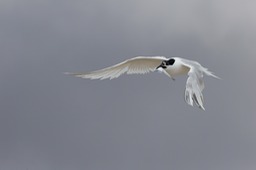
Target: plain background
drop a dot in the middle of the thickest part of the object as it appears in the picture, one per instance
(51, 121)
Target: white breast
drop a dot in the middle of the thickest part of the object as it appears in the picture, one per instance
(177, 69)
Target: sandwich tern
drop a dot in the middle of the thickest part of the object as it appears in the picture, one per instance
(170, 66)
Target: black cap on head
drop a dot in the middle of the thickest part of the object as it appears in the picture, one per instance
(166, 63)
(170, 61)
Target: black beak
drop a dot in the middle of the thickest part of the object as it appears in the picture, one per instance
(161, 66)
(158, 67)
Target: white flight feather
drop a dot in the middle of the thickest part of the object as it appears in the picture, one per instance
(143, 64)
(136, 65)
(195, 84)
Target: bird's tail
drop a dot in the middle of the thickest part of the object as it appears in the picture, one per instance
(209, 73)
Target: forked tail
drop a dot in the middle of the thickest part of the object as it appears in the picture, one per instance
(209, 73)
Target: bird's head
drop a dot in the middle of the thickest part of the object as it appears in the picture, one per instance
(166, 63)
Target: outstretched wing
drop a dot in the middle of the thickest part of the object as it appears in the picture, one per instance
(195, 84)
(136, 65)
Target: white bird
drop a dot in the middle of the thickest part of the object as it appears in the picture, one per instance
(170, 66)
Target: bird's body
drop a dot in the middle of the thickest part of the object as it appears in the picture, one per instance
(172, 67)
(177, 68)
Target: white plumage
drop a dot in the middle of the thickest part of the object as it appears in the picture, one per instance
(170, 66)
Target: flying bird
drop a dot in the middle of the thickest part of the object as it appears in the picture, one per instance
(172, 67)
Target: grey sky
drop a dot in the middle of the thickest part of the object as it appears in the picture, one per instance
(49, 120)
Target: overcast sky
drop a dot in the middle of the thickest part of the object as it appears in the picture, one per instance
(51, 121)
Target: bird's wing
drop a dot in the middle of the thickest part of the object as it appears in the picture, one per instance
(136, 65)
(194, 88)
(195, 84)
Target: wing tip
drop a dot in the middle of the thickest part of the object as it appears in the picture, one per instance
(202, 107)
(192, 100)
(72, 74)
(80, 75)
